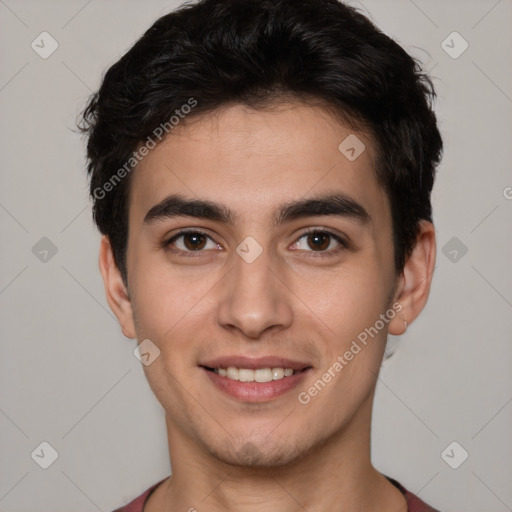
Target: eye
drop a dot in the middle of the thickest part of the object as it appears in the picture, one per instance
(314, 241)
(190, 241)
(322, 241)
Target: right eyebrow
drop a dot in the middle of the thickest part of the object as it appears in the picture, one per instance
(176, 206)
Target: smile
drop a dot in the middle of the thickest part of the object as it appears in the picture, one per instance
(254, 375)
(255, 384)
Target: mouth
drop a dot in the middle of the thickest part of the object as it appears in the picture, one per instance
(255, 380)
(254, 375)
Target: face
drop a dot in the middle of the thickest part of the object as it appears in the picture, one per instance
(261, 278)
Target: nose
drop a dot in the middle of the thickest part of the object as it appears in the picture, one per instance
(253, 298)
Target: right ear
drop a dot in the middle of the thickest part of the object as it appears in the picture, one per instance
(115, 290)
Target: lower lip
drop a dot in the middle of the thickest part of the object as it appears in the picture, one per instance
(256, 391)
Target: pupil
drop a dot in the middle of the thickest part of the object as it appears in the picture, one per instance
(195, 239)
(320, 239)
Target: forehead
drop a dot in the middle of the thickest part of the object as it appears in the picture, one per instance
(252, 159)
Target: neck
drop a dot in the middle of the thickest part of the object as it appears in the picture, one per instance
(335, 475)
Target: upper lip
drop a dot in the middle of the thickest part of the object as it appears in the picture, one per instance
(254, 363)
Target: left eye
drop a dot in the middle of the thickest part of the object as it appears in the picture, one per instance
(320, 241)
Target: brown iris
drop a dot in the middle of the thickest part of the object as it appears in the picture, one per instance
(320, 240)
(194, 241)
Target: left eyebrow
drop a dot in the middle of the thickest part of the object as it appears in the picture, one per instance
(335, 204)
(338, 204)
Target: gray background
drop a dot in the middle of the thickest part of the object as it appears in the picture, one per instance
(69, 377)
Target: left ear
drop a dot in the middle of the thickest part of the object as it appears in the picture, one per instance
(414, 283)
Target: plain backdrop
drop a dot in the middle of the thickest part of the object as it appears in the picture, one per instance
(69, 378)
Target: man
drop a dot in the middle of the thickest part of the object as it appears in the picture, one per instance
(261, 174)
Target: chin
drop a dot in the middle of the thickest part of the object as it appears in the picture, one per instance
(259, 453)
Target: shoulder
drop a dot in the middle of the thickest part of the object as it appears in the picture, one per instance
(137, 504)
(414, 504)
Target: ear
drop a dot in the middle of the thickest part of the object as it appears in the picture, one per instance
(115, 290)
(414, 283)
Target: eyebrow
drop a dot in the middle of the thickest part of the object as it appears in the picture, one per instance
(338, 204)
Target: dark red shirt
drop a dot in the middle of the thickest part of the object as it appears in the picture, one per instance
(414, 504)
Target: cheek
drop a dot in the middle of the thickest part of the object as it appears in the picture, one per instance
(162, 293)
(172, 309)
(345, 301)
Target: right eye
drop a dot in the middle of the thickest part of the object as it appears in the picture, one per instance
(190, 241)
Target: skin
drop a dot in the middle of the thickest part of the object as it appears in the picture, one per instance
(279, 455)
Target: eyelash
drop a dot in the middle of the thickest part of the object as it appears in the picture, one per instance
(343, 245)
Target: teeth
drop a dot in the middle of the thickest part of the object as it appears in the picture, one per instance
(259, 375)
(277, 373)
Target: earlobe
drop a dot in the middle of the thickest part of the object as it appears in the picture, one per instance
(115, 289)
(414, 287)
